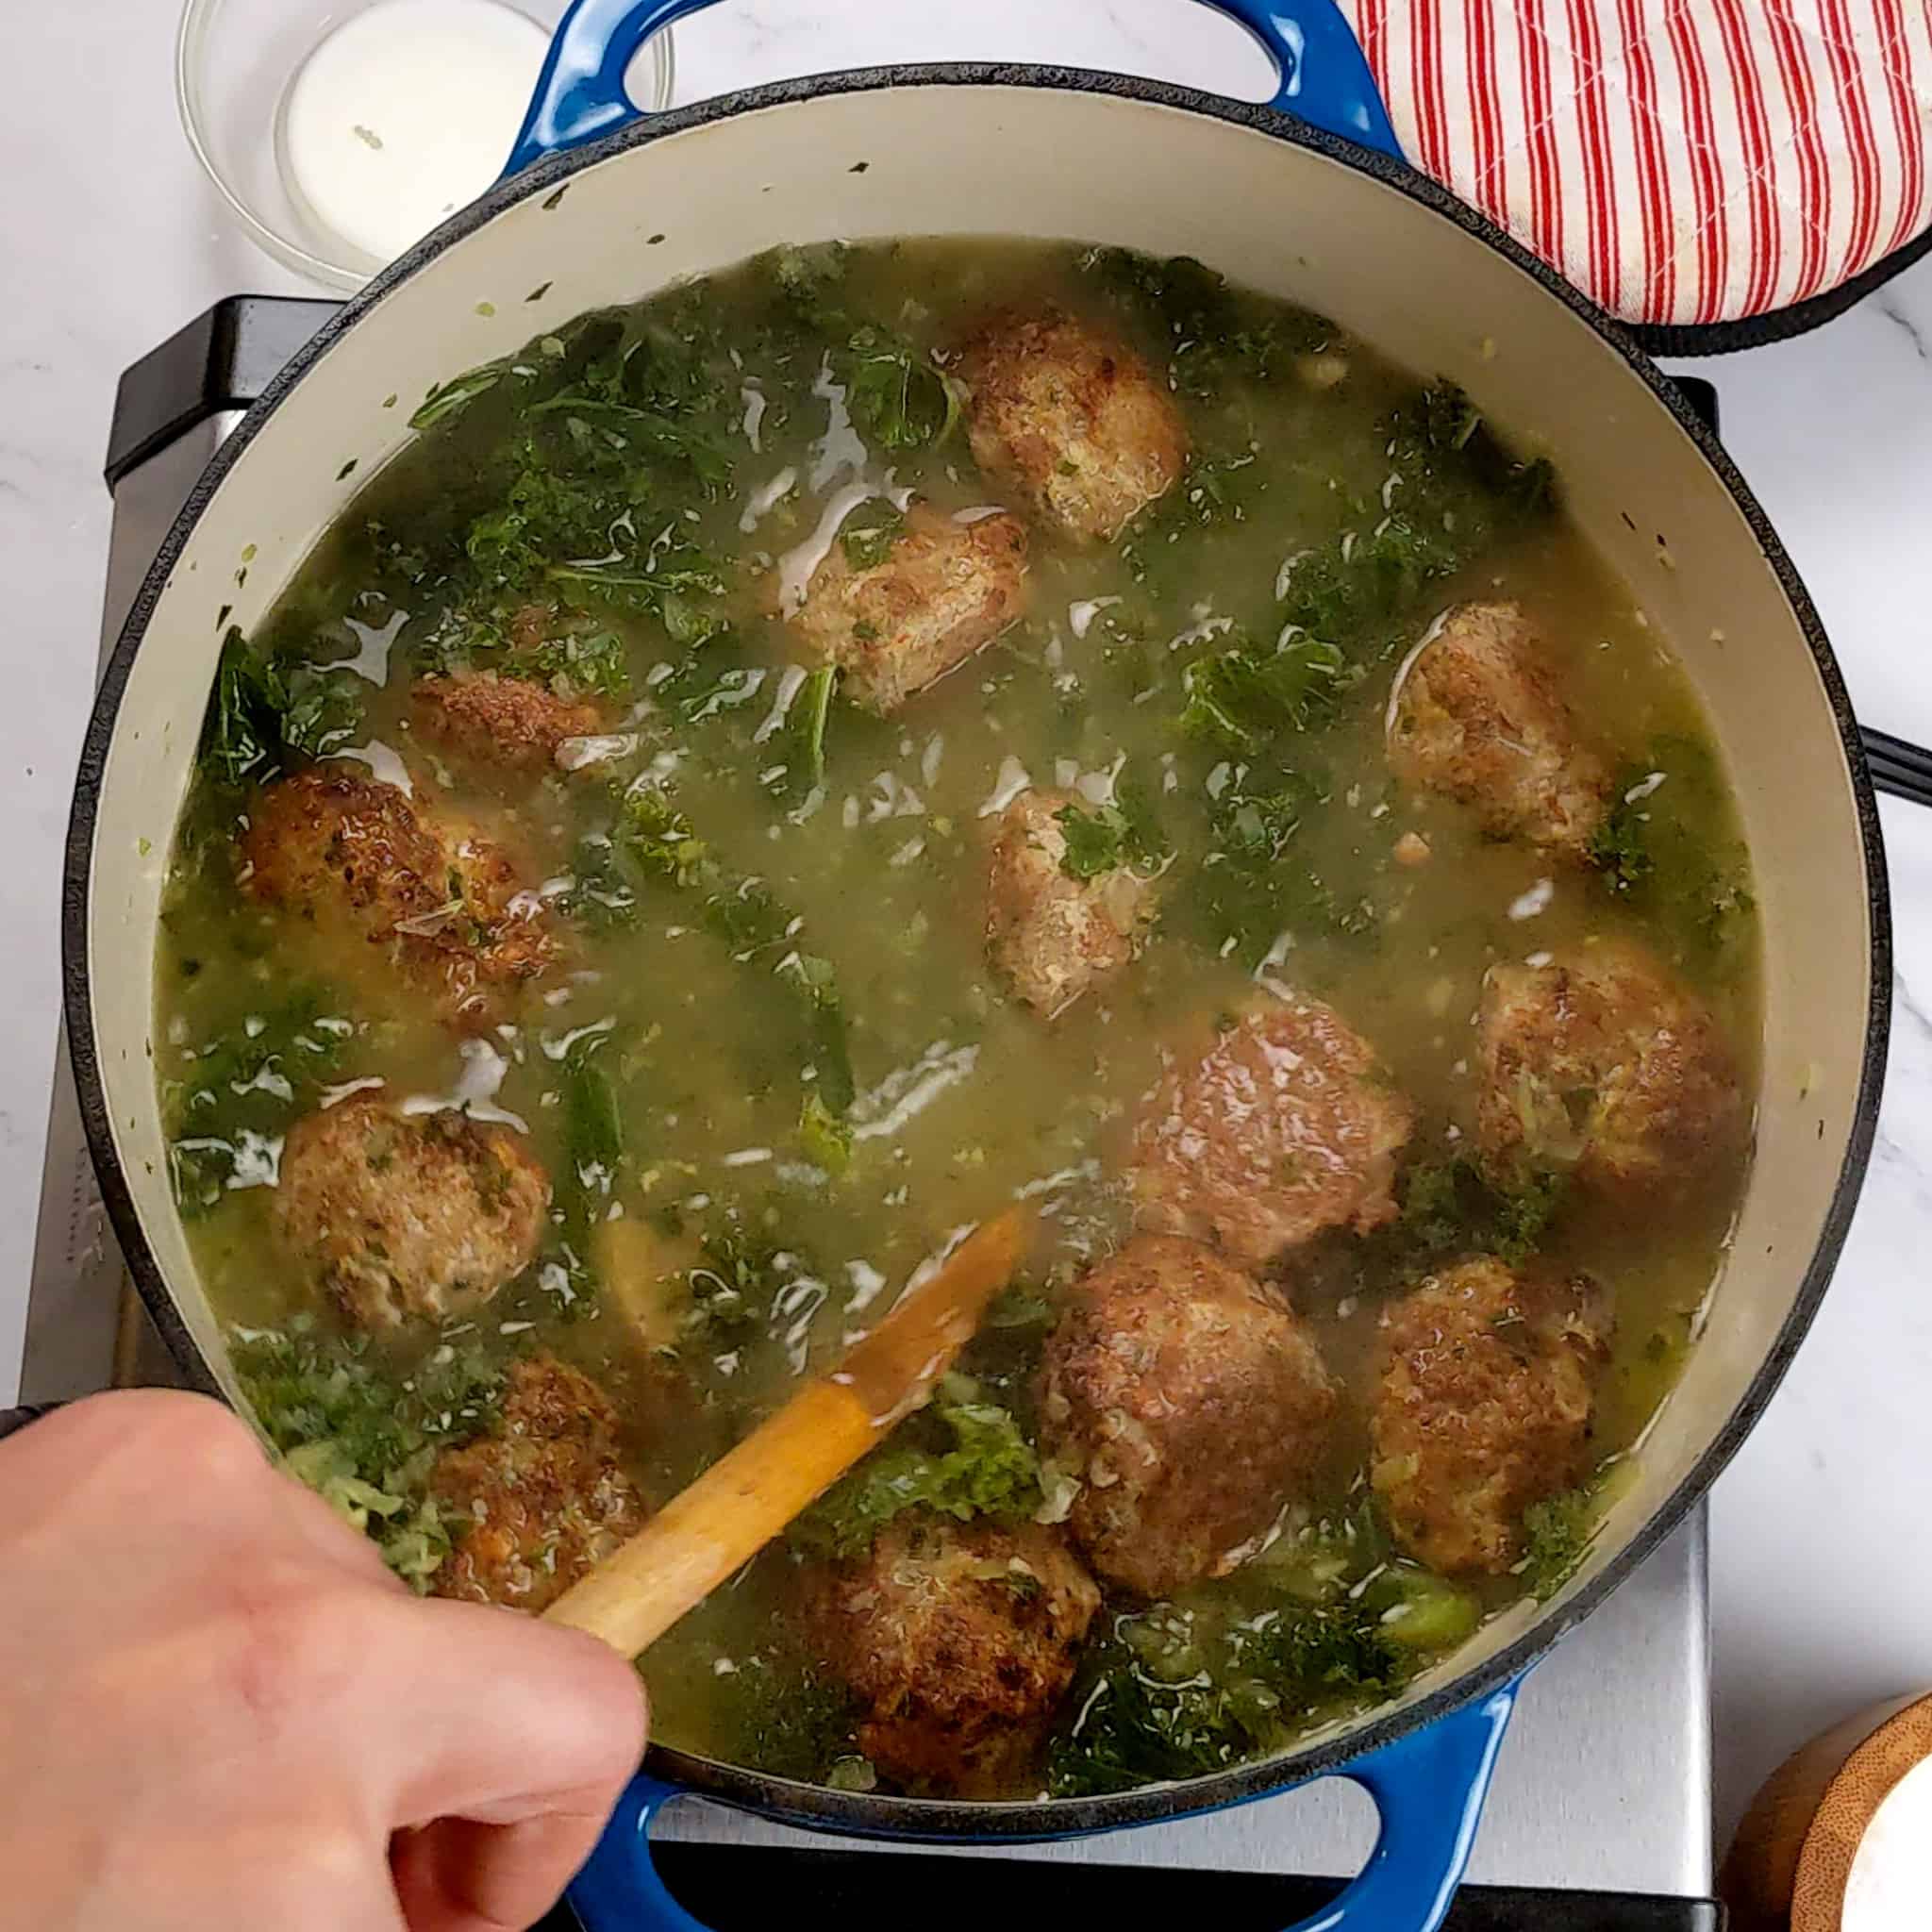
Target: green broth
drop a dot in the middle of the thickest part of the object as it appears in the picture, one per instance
(711, 1049)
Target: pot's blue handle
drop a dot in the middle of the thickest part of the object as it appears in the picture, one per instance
(619, 1890)
(1324, 74)
(1429, 1788)
(580, 95)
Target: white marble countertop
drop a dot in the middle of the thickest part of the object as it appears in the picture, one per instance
(109, 239)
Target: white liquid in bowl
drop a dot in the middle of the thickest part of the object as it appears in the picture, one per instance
(404, 114)
(1892, 1874)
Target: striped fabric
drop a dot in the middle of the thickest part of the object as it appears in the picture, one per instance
(1683, 161)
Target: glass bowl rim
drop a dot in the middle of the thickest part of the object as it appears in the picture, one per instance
(196, 17)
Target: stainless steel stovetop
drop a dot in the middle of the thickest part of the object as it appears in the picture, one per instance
(1603, 1783)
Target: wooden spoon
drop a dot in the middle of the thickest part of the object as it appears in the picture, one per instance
(703, 1536)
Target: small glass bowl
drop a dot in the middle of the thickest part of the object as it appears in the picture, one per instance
(234, 61)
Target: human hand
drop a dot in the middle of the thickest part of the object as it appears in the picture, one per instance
(220, 1710)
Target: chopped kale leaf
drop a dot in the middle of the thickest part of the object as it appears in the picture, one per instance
(991, 1470)
(450, 398)
(656, 836)
(1095, 839)
(1179, 1708)
(230, 1104)
(1241, 696)
(1449, 1207)
(675, 582)
(1251, 890)
(831, 1057)
(363, 1439)
(866, 536)
(1103, 838)
(1219, 488)
(651, 843)
(1441, 446)
(745, 1292)
(593, 1138)
(1337, 1645)
(1454, 489)
(824, 1137)
(733, 1288)
(802, 735)
(261, 709)
(784, 1717)
(1557, 1534)
(1655, 850)
(1212, 333)
(1135, 1729)
(1523, 1214)
(1174, 1691)
(807, 274)
(1355, 593)
(897, 394)
(574, 664)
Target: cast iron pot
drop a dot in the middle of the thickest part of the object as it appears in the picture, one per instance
(1305, 197)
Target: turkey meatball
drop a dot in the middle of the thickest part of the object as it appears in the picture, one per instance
(1284, 1127)
(408, 1218)
(1483, 1408)
(944, 590)
(1601, 1063)
(510, 723)
(958, 1639)
(1052, 937)
(540, 1504)
(1189, 1403)
(445, 905)
(1073, 416)
(1478, 718)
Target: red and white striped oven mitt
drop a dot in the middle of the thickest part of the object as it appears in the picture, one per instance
(1686, 162)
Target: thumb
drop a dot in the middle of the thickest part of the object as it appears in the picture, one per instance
(493, 1715)
(509, 1741)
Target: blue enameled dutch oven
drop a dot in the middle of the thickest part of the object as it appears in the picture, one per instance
(1305, 197)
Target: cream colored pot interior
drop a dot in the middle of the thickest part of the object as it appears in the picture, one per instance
(1006, 159)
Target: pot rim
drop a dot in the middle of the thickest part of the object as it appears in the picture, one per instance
(862, 1814)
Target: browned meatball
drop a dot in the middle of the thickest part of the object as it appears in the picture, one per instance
(1052, 937)
(540, 1504)
(958, 1639)
(1189, 1403)
(509, 722)
(364, 859)
(1483, 1408)
(1073, 416)
(1285, 1126)
(413, 1218)
(1478, 718)
(1601, 1063)
(944, 591)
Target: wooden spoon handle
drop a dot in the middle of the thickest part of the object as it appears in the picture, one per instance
(703, 1536)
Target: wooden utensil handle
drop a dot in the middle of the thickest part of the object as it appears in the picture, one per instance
(704, 1535)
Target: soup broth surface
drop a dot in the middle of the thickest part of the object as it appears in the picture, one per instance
(765, 1071)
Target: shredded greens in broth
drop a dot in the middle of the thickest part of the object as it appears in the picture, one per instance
(761, 1068)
